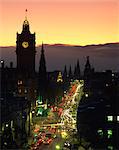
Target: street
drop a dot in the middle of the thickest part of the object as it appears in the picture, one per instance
(49, 135)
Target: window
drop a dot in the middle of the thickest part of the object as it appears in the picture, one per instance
(11, 123)
(86, 95)
(107, 85)
(2, 128)
(20, 82)
(100, 132)
(110, 147)
(112, 74)
(6, 125)
(117, 118)
(25, 91)
(109, 132)
(109, 118)
(19, 90)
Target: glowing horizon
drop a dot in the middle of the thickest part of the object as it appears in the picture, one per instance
(72, 23)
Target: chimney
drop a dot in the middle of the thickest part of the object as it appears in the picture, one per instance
(11, 64)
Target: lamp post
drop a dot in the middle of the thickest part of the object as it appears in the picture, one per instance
(29, 111)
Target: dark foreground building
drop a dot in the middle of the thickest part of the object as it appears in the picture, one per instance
(20, 89)
(98, 111)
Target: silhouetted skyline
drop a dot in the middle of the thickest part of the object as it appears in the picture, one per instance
(102, 57)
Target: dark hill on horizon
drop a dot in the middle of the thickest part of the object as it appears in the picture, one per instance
(102, 56)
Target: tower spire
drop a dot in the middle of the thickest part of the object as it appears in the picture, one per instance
(42, 48)
(26, 14)
(70, 72)
(88, 69)
(65, 73)
(42, 75)
(26, 23)
(87, 65)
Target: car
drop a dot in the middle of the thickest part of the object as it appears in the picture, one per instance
(36, 146)
(54, 136)
(39, 142)
(67, 144)
(47, 140)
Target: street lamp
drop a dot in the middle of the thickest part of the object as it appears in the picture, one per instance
(64, 134)
(86, 95)
(6, 125)
(33, 111)
(57, 146)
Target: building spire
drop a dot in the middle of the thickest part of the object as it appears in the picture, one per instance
(88, 69)
(70, 72)
(42, 74)
(42, 66)
(26, 14)
(65, 73)
(87, 65)
(26, 23)
(42, 48)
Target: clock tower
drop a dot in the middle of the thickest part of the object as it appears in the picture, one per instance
(25, 50)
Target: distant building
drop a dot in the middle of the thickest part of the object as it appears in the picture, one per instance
(77, 73)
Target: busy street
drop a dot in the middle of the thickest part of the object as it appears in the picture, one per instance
(49, 133)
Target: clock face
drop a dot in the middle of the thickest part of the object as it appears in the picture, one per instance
(25, 44)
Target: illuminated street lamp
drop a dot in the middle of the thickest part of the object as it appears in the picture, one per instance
(57, 146)
(6, 125)
(86, 95)
(64, 134)
(33, 111)
(112, 74)
(2, 63)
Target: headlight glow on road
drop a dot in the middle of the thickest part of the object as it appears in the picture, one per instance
(57, 146)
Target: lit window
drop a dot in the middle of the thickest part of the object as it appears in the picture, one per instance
(107, 85)
(86, 95)
(117, 118)
(19, 90)
(23, 117)
(5, 143)
(100, 132)
(110, 147)
(2, 61)
(109, 132)
(20, 82)
(2, 128)
(112, 74)
(110, 118)
(25, 91)
(6, 125)
(11, 123)
(33, 111)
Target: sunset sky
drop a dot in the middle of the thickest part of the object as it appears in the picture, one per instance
(76, 22)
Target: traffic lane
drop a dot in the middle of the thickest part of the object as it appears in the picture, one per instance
(52, 146)
(39, 136)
